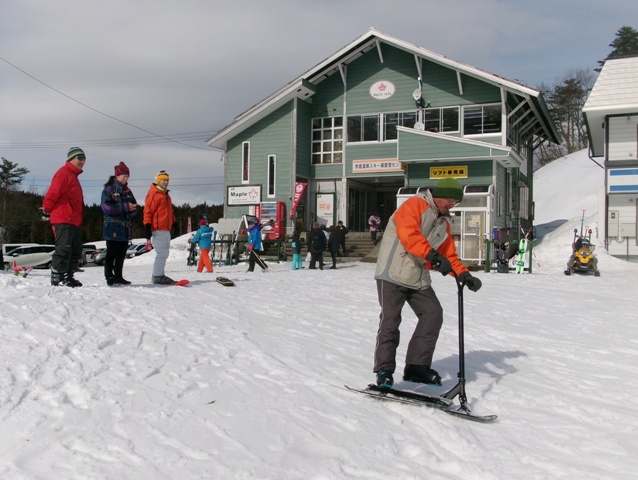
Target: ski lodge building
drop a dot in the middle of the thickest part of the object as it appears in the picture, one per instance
(611, 119)
(374, 122)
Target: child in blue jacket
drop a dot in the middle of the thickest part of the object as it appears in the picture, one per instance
(204, 237)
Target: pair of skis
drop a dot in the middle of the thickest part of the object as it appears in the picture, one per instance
(444, 402)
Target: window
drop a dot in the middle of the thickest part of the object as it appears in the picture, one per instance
(272, 164)
(482, 119)
(245, 162)
(327, 140)
(379, 127)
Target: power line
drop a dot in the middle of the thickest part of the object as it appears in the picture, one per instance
(111, 142)
(98, 111)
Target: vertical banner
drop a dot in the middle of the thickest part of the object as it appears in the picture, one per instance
(299, 189)
(326, 209)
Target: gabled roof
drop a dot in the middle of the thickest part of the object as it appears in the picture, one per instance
(305, 85)
(615, 93)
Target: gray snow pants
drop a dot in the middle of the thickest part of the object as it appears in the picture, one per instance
(429, 314)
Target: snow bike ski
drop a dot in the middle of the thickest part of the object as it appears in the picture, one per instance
(445, 401)
(192, 255)
(522, 250)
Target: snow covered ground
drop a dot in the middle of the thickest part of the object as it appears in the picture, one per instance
(210, 382)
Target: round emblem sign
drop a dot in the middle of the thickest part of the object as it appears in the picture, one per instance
(382, 89)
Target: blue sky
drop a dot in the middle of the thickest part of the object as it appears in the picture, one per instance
(190, 66)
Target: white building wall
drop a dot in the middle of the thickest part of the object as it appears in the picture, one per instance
(623, 138)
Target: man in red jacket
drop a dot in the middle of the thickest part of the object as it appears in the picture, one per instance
(63, 204)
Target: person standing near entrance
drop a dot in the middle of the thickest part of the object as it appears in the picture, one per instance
(63, 205)
(416, 237)
(316, 246)
(374, 222)
(340, 232)
(159, 219)
(119, 207)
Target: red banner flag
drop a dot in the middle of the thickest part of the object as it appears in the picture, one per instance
(299, 189)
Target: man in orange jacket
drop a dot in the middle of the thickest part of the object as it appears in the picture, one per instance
(63, 205)
(417, 235)
(158, 223)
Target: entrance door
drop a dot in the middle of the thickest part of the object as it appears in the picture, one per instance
(473, 236)
(359, 209)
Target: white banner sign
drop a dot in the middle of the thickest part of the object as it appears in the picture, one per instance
(326, 209)
(244, 195)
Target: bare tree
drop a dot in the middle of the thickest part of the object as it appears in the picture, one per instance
(565, 100)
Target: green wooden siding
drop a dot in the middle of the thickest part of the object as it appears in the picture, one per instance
(270, 136)
(413, 146)
(399, 68)
(328, 100)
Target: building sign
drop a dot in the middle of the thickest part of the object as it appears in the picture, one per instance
(622, 180)
(382, 90)
(244, 195)
(442, 172)
(381, 165)
(326, 209)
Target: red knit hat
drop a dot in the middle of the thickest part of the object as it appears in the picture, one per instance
(202, 222)
(121, 169)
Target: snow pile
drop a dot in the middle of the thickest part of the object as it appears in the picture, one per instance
(210, 382)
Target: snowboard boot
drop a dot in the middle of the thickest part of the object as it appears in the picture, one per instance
(71, 282)
(57, 278)
(421, 374)
(163, 280)
(120, 281)
(384, 379)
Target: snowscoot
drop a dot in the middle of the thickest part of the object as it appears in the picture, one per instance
(584, 260)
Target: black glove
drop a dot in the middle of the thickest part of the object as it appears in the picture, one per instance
(148, 233)
(472, 283)
(439, 262)
(43, 214)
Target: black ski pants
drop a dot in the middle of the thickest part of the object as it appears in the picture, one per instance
(114, 260)
(68, 250)
(426, 306)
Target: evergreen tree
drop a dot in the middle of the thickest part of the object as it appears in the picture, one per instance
(10, 176)
(624, 45)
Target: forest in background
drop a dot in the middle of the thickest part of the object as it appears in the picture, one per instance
(19, 216)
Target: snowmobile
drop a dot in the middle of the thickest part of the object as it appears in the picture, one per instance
(583, 259)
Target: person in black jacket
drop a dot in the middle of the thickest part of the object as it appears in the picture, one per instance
(333, 246)
(316, 245)
(340, 233)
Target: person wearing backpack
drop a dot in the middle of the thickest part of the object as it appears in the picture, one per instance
(296, 251)
(317, 245)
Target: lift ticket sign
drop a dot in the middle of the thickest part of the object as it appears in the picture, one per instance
(457, 171)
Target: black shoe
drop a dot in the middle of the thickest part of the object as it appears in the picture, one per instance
(110, 281)
(421, 374)
(120, 281)
(333, 268)
(384, 379)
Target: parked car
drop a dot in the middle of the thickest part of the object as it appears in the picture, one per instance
(135, 250)
(36, 256)
(99, 257)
